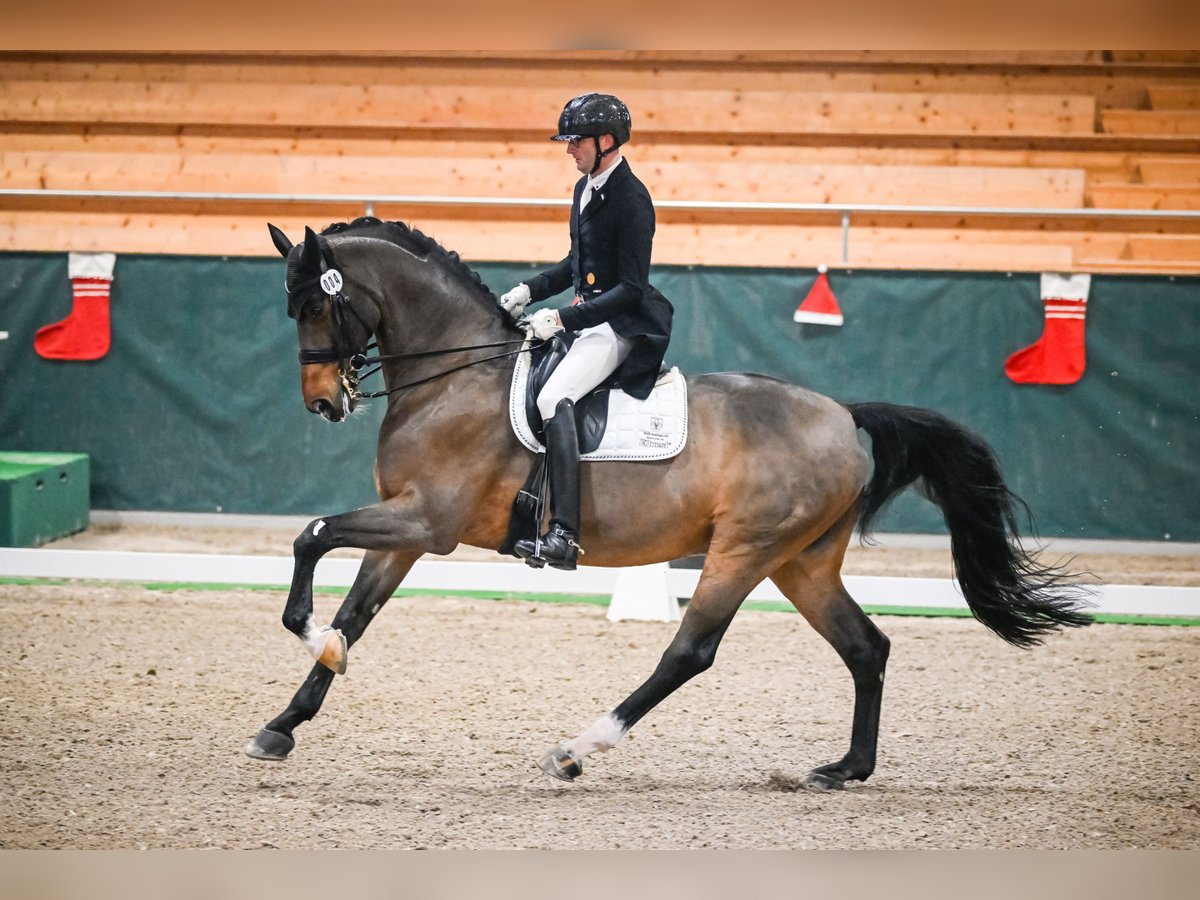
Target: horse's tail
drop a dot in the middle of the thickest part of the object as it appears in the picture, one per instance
(1006, 589)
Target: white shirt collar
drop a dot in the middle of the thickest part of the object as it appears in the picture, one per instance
(597, 181)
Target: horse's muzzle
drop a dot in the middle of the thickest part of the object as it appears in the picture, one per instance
(323, 407)
(324, 393)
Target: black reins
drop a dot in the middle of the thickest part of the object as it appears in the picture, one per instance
(358, 360)
(349, 366)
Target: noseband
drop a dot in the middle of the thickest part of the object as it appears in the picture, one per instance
(351, 364)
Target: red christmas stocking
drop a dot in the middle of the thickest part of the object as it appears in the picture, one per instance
(84, 334)
(1059, 356)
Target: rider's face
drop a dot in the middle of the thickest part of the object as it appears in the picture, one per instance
(583, 151)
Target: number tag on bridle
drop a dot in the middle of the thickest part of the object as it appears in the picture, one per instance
(331, 281)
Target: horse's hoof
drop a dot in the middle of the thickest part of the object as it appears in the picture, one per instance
(561, 764)
(820, 782)
(269, 745)
(334, 652)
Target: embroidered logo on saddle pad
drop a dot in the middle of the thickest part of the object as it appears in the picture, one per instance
(654, 428)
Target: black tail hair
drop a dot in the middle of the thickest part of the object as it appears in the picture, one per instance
(1006, 589)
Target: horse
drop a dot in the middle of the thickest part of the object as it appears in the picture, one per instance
(771, 484)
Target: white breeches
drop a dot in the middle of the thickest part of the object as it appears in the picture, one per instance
(595, 355)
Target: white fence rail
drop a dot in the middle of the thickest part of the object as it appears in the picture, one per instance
(514, 578)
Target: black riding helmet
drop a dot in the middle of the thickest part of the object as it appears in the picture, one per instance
(591, 115)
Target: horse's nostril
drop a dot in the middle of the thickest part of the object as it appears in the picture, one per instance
(321, 407)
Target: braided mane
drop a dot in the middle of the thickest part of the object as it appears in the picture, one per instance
(417, 242)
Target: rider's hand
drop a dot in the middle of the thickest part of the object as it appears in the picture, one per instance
(543, 324)
(515, 301)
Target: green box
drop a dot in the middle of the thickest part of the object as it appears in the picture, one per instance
(43, 496)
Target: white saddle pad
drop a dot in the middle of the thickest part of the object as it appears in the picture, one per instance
(654, 428)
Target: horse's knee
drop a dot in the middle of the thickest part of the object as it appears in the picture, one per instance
(309, 542)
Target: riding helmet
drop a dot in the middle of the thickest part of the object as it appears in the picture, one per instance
(591, 115)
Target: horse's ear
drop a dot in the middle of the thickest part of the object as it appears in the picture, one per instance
(310, 253)
(326, 252)
(280, 240)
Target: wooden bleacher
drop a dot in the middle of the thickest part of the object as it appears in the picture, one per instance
(1038, 130)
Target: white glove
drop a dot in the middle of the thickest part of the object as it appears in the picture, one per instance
(515, 301)
(543, 324)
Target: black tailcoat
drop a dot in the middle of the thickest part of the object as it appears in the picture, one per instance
(609, 267)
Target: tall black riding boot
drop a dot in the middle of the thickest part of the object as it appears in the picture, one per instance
(559, 546)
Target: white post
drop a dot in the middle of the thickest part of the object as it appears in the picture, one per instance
(642, 592)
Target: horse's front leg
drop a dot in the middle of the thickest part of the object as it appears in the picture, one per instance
(384, 527)
(377, 579)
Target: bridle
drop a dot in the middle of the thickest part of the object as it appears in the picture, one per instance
(350, 364)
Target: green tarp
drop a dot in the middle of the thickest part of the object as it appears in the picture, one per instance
(197, 405)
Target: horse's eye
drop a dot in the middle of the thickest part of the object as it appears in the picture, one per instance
(315, 310)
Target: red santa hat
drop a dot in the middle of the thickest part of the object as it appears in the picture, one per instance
(820, 307)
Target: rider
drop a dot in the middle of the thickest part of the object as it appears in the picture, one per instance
(623, 324)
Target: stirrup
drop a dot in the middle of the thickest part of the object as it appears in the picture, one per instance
(530, 551)
(567, 545)
(565, 550)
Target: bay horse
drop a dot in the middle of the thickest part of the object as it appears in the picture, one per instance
(771, 484)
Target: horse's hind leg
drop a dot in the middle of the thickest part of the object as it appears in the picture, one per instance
(723, 586)
(378, 577)
(812, 582)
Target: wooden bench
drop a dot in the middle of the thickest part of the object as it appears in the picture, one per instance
(621, 72)
(1174, 96)
(1157, 123)
(465, 108)
(1183, 171)
(1164, 247)
(974, 128)
(1144, 196)
(542, 238)
(439, 174)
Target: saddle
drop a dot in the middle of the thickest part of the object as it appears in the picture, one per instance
(610, 424)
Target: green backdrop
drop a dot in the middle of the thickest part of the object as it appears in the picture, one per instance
(197, 406)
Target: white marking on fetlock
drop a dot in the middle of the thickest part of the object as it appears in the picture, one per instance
(314, 637)
(317, 526)
(327, 645)
(604, 734)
